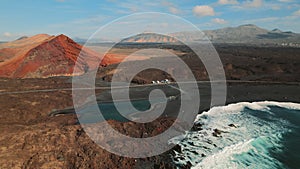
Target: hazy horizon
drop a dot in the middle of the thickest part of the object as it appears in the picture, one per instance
(78, 39)
(81, 19)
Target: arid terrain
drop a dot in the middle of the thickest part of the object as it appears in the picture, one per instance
(31, 138)
(160, 84)
(240, 62)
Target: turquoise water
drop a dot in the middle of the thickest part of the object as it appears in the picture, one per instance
(267, 136)
(289, 154)
(280, 150)
(110, 112)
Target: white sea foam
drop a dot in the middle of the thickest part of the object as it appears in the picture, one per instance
(223, 159)
(246, 145)
(252, 153)
(237, 107)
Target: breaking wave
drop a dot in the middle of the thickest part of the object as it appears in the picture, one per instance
(243, 135)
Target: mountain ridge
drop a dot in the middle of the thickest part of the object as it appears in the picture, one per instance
(43, 55)
(244, 34)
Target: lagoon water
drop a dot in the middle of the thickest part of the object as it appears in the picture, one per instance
(110, 112)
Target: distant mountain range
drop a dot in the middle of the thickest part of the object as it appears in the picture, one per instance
(251, 34)
(149, 38)
(44, 55)
(245, 34)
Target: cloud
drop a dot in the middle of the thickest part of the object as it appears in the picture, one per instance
(285, 0)
(7, 34)
(174, 10)
(95, 19)
(253, 3)
(219, 21)
(167, 3)
(297, 13)
(248, 4)
(261, 20)
(225, 2)
(204, 10)
(275, 7)
(171, 7)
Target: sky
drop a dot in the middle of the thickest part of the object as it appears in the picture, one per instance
(81, 18)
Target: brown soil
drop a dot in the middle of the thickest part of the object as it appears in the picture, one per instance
(30, 138)
(239, 62)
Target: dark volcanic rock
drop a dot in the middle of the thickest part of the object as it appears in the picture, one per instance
(217, 133)
(232, 125)
(197, 127)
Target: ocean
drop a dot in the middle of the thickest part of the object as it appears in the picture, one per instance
(258, 135)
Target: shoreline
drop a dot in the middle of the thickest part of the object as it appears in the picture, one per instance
(237, 91)
(29, 114)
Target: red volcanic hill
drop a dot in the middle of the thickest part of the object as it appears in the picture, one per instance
(43, 56)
